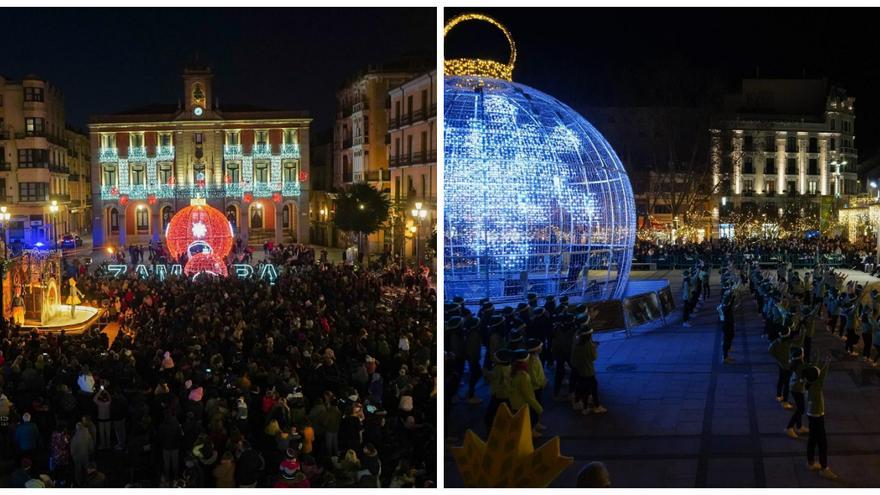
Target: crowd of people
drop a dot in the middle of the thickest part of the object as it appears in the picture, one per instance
(324, 378)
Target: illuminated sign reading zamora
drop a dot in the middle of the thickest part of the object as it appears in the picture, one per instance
(267, 271)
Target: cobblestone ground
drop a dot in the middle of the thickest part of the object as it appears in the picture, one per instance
(678, 417)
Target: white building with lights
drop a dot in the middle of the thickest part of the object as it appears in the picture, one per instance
(248, 162)
(783, 145)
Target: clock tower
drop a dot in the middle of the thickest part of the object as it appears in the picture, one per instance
(197, 90)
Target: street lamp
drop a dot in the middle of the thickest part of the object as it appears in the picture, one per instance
(873, 185)
(54, 209)
(419, 215)
(4, 219)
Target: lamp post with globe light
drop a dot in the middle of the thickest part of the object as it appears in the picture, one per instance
(419, 216)
(54, 209)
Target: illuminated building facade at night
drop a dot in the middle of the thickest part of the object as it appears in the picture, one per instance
(250, 163)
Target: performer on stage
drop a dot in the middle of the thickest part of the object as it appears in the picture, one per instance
(73, 298)
(18, 307)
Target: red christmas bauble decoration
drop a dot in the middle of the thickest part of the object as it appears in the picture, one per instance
(204, 262)
(276, 197)
(199, 225)
(248, 197)
(303, 176)
(151, 199)
(114, 191)
(123, 200)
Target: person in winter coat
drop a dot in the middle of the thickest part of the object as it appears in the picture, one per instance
(27, 436)
(522, 393)
(350, 429)
(224, 472)
(105, 426)
(249, 467)
(815, 384)
(82, 449)
(170, 435)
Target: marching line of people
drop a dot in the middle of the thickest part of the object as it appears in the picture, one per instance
(519, 343)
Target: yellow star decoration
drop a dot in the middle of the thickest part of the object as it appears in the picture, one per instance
(509, 459)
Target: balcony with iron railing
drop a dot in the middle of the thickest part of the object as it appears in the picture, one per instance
(232, 152)
(360, 106)
(360, 140)
(185, 191)
(418, 115)
(377, 175)
(165, 153)
(406, 119)
(60, 141)
(30, 134)
(73, 178)
(108, 155)
(290, 151)
(5, 135)
(59, 169)
(262, 150)
(346, 143)
(137, 154)
(393, 123)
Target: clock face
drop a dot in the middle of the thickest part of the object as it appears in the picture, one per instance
(198, 111)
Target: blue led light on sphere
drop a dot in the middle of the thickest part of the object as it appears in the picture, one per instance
(536, 200)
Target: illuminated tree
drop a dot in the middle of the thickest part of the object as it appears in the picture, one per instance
(361, 209)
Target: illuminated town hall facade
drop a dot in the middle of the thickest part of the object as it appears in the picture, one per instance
(248, 163)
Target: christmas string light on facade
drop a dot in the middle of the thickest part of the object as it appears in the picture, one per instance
(536, 198)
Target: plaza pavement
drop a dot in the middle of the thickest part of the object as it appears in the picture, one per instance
(678, 417)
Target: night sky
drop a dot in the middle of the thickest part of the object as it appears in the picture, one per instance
(108, 60)
(607, 56)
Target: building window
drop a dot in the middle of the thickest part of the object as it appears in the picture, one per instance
(114, 220)
(409, 107)
(791, 187)
(748, 143)
(109, 175)
(199, 137)
(232, 173)
(33, 94)
(833, 124)
(137, 175)
(33, 191)
(791, 166)
(769, 166)
(32, 158)
(261, 137)
(142, 216)
(290, 135)
(812, 186)
(813, 167)
(165, 174)
(771, 186)
(167, 213)
(748, 185)
(813, 146)
(748, 168)
(791, 145)
(165, 140)
(424, 186)
(136, 140)
(233, 138)
(285, 217)
(769, 144)
(108, 140)
(34, 126)
(290, 172)
(261, 172)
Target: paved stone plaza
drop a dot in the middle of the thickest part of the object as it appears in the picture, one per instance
(678, 417)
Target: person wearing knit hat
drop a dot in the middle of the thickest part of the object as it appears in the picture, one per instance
(499, 380)
(473, 347)
(532, 299)
(815, 383)
(583, 357)
(522, 394)
(515, 337)
(796, 385)
(536, 372)
(550, 304)
(780, 350)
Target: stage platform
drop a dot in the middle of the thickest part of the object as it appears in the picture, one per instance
(84, 318)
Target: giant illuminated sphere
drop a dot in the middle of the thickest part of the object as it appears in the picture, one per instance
(536, 200)
(204, 234)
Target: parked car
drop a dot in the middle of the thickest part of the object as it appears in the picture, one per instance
(70, 241)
